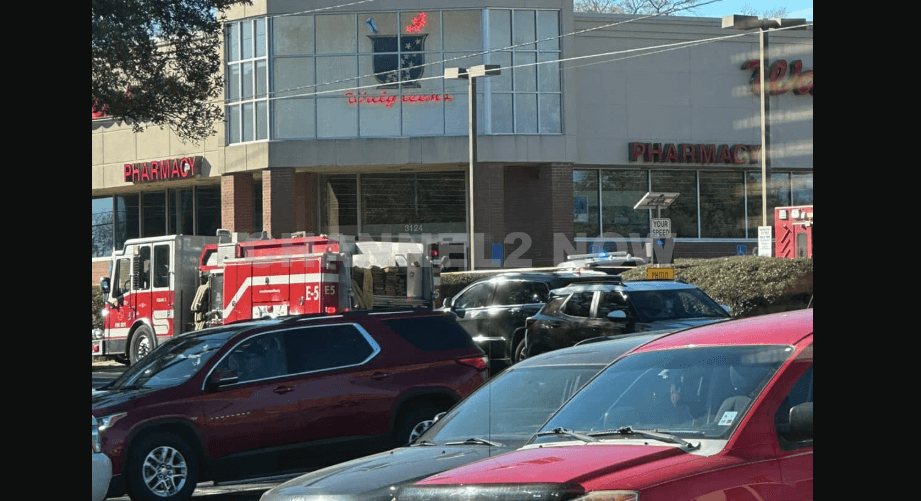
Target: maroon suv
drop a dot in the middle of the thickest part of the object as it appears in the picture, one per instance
(273, 396)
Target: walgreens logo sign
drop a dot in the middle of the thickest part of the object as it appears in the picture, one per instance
(781, 77)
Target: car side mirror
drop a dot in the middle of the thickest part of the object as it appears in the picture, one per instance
(104, 285)
(801, 422)
(222, 378)
(448, 302)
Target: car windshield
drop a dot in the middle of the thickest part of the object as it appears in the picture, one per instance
(511, 406)
(695, 392)
(657, 305)
(173, 362)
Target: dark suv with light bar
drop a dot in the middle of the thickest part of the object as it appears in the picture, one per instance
(272, 396)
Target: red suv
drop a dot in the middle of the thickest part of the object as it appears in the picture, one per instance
(722, 411)
(273, 396)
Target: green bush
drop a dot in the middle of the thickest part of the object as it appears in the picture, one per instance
(750, 285)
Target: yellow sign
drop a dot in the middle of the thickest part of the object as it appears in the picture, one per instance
(660, 273)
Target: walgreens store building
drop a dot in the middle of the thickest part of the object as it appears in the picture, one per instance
(340, 122)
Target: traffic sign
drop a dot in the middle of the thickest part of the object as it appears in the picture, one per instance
(660, 273)
(661, 228)
(764, 240)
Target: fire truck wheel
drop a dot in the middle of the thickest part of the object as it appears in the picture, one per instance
(142, 343)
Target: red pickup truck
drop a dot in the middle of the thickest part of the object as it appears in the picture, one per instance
(717, 412)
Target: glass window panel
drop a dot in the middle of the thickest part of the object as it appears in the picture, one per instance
(524, 30)
(161, 265)
(294, 118)
(375, 25)
(208, 199)
(377, 119)
(778, 192)
(103, 227)
(247, 81)
(128, 217)
(525, 76)
(248, 125)
(426, 23)
(260, 37)
(500, 29)
(336, 34)
(423, 114)
(262, 78)
(343, 70)
(456, 115)
(722, 205)
(262, 120)
(464, 31)
(548, 27)
(233, 42)
(181, 212)
(620, 191)
(525, 113)
(502, 117)
(548, 74)
(246, 39)
(292, 35)
(802, 189)
(154, 210)
(339, 209)
(503, 81)
(233, 124)
(585, 203)
(442, 201)
(419, 70)
(233, 82)
(336, 118)
(294, 76)
(550, 122)
(683, 211)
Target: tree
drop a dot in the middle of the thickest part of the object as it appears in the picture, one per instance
(748, 10)
(157, 62)
(605, 6)
(662, 7)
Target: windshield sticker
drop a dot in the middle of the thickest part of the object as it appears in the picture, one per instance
(728, 418)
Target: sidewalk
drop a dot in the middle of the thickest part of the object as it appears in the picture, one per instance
(108, 366)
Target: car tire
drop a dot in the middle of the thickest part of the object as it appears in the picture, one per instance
(411, 417)
(520, 351)
(142, 343)
(162, 468)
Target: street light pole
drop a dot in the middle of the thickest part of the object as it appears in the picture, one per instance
(471, 74)
(738, 22)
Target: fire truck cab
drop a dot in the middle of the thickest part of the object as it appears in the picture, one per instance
(146, 294)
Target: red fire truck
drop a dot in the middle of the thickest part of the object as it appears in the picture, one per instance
(163, 286)
(793, 231)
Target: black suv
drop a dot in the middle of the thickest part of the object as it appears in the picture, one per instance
(268, 396)
(493, 309)
(582, 311)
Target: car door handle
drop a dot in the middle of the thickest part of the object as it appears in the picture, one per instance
(380, 375)
(281, 390)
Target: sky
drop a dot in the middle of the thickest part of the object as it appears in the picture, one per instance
(795, 8)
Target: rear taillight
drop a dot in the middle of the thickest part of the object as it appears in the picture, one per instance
(330, 310)
(478, 363)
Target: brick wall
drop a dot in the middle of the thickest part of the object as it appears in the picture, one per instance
(100, 269)
(237, 202)
(489, 207)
